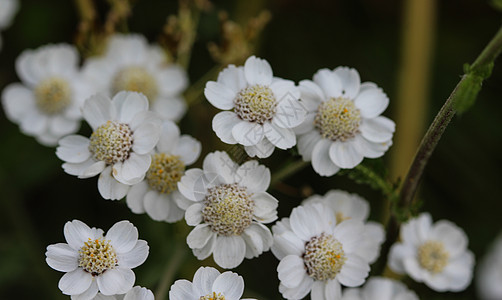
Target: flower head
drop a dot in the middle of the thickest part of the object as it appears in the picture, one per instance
(47, 103)
(124, 133)
(489, 274)
(94, 262)
(435, 254)
(8, 9)
(265, 108)
(316, 254)
(343, 124)
(158, 194)
(209, 284)
(229, 207)
(130, 64)
(380, 288)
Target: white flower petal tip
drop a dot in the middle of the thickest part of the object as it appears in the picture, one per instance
(380, 288)
(118, 252)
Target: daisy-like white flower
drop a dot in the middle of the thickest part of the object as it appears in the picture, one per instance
(124, 133)
(317, 255)
(435, 254)
(94, 262)
(380, 288)
(489, 273)
(136, 293)
(47, 103)
(229, 207)
(131, 64)
(209, 284)
(346, 206)
(265, 108)
(343, 124)
(8, 9)
(158, 194)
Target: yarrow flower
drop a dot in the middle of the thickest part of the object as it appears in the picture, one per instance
(346, 206)
(124, 133)
(130, 64)
(209, 284)
(94, 262)
(8, 9)
(489, 273)
(229, 206)
(265, 108)
(47, 103)
(158, 194)
(343, 125)
(435, 254)
(316, 254)
(380, 288)
(136, 293)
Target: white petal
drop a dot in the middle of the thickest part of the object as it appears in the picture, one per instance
(219, 95)
(199, 236)
(145, 138)
(75, 282)
(91, 293)
(333, 290)
(257, 71)
(203, 280)
(123, 236)
(317, 292)
(61, 257)
(354, 271)
(371, 102)
(349, 233)
(261, 150)
(97, 110)
(398, 252)
(207, 250)
(287, 243)
(76, 233)
(454, 239)
(87, 169)
(233, 78)
(15, 99)
(229, 284)
(135, 257)
(221, 164)
(128, 105)
(116, 281)
(182, 290)
(306, 222)
(135, 197)
(306, 144)
(282, 138)
(73, 149)
(258, 239)
(379, 129)
(290, 112)
(193, 215)
(298, 292)
(188, 149)
(157, 205)
(109, 187)
(350, 81)
(321, 162)
(170, 108)
(344, 154)
(307, 125)
(248, 133)
(133, 169)
(186, 185)
(223, 123)
(311, 94)
(229, 251)
(139, 293)
(265, 207)
(370, 149)
(329, 83)
(169, 137)
(252, 175)
(34, 123)
(173, 80)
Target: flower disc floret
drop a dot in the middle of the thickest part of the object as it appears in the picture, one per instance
(135, 79)
(165, 172)
(338, 119)
(324, 257)
(97, 256)
(213, 296)
(433, 256)
(228, 209)
(255, 103)
(53, 95)
(111, 142)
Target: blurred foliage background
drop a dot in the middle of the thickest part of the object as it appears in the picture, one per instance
(462, 181)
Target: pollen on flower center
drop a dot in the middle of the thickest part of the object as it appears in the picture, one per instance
(228, 209)
(135, 79)
(213, 296)
(432, 256)
(111, 142)
(165, 172)
(324, 257)
(340, 217)
(256, 103)
(53, 95)
(97, 256)
(338, 119)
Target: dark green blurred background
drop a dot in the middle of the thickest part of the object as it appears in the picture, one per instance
(463, 182)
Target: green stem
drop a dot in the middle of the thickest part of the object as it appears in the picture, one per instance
(288, 170)
(380, 182)
(172, 266)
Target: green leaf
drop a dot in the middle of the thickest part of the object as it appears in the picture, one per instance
(497, 4)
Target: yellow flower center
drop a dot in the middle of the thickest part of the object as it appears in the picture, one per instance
(228, 209)
(53, 95)
(432, 256)
(165, 172)
(97, 256)
(338, 119)
(256, 103)
(324, 257)
(213, 296)
(111, 142)
(135, 79)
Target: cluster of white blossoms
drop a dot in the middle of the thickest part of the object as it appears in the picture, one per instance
(8, 9)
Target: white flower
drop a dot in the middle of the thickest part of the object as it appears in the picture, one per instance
(229, 207)
(316, 254)
(130, 64)
(158, 194)
(124, 133)
(265, 108)
(136, 293)
(343, 124)
(435, 254)
(8, 9)
(346, 206)
(380, 288)
(47, 103)
(489, 274)
(209, 284)
(94, 262)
